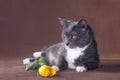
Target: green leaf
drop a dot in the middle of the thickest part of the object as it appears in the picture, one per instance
(41, 61)
(36, 64)
(32, 66)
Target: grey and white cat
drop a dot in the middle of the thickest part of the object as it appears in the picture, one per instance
(78, 50)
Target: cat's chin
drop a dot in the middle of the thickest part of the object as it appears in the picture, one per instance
(72, 47)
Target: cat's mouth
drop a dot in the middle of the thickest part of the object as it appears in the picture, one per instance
(71, 45)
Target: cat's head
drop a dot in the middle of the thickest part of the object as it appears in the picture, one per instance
(76, 33)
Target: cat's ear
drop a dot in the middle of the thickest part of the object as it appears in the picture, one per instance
(83, 24)
(65, 23)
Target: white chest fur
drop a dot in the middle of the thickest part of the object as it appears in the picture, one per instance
(73, 54)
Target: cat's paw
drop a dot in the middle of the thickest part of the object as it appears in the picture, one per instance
(26, 61)
(55, 67)
(81, 69)
(37, 54)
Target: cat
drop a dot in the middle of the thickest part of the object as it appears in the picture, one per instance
(78, 49)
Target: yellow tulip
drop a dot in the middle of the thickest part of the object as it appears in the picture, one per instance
(46, 71)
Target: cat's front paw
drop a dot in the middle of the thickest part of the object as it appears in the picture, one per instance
(81, 69)
(55, 67)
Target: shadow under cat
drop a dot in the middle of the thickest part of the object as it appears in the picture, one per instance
(111, 66)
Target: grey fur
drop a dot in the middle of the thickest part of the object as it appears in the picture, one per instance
(55, 55)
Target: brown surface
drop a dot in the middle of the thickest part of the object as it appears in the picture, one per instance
(27, 25)
(14, 70)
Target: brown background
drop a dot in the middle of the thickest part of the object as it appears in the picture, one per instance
(27, 25)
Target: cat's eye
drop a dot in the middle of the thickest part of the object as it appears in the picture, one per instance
(74, 37)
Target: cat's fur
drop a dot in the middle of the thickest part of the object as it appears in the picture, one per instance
(77, 51)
